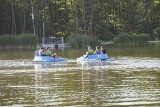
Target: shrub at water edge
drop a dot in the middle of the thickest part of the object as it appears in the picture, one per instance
(19, 41)
(131, 39)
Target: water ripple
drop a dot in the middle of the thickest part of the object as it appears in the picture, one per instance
(118, 64)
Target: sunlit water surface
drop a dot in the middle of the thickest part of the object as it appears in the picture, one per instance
(120, 81)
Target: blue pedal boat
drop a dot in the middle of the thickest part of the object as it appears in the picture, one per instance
(93, 57)
(48, 59)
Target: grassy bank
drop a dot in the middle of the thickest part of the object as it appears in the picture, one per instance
(19, 41)
(131, 39)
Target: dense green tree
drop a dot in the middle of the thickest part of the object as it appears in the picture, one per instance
(98, 18)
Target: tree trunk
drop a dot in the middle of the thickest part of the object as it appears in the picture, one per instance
(91, 23)
(13, 21)
(24, 16)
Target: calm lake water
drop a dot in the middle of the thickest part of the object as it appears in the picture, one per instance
(130, 78)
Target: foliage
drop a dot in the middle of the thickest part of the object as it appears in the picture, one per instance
(82, 41)
(24, 40)
(102, 19)
(131, 39)
(157, 32)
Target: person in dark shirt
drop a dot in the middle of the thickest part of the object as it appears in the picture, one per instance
(103, 50)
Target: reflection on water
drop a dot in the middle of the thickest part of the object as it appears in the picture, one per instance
(125, 81)
(128, 80)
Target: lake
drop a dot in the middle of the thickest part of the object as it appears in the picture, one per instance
(130, 78)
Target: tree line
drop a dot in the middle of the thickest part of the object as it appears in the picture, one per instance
(102, 19)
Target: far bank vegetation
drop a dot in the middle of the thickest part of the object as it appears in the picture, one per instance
(98, 19)
(19, 41)
(125, 39)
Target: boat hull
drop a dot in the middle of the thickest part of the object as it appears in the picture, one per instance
(93, 57)
(48, 59)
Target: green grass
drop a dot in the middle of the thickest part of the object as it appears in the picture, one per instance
(131, 39)
(19, 41)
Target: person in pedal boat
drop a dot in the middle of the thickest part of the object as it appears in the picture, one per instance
(89, 52)
(42, 52)
(103, 50)
(37, 52)
(48, 52)
(98, 50)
